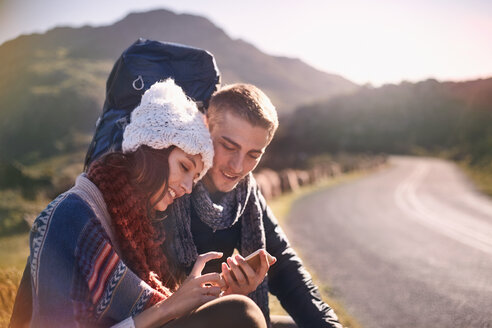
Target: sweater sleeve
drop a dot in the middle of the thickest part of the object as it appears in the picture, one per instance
(290, 282)
(107, 291)
(127, 323)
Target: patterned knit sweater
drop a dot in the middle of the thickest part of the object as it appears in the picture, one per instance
(77, 277)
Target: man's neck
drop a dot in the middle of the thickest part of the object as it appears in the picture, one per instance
(216, 196)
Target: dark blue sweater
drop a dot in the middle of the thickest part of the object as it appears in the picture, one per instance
(288, 280)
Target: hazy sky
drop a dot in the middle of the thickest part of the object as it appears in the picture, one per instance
(376, 41)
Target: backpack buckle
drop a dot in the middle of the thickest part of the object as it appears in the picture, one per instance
(136, 82)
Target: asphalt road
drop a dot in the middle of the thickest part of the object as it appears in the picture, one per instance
(408, 246)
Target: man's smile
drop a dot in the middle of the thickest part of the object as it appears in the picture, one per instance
(230, 176)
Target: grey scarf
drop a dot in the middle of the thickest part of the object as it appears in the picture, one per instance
(241, 203)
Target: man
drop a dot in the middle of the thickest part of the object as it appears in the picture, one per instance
(226, 211)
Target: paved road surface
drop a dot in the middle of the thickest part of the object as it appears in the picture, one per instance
(409, 246)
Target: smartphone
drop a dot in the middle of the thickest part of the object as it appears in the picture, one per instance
(254, 261)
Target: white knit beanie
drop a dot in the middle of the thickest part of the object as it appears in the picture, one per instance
(166, 117)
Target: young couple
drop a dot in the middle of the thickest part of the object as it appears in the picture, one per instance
(127, 245)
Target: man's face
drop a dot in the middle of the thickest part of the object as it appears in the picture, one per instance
(238, 149)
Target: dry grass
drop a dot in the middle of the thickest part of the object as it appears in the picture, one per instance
(13, 254)
(481, 177)
(9, 281)
(14, 251)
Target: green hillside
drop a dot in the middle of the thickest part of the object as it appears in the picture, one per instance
(450, 119)
(52, 85)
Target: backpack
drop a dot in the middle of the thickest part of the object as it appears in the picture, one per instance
(139, 67)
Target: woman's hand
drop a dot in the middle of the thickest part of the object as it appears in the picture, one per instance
(240, 276)
(196, 290)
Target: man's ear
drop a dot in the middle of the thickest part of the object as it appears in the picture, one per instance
(208, 121)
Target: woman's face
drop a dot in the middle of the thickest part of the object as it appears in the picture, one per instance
(183, 169)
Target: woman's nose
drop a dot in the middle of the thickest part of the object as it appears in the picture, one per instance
(187, 185)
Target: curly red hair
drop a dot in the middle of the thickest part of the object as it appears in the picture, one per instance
(127, 183)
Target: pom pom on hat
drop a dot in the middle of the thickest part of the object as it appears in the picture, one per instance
(167, 117)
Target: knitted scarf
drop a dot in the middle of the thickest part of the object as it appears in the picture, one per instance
(242, 202)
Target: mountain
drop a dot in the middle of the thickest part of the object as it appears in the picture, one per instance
(476, 94)
(290, 82)
(52, 85)
(447, 118)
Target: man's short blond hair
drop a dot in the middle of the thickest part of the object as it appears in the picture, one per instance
(247, 102)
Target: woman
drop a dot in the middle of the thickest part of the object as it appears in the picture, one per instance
(96, 252)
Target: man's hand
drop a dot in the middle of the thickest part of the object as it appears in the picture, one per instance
(240, 277)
